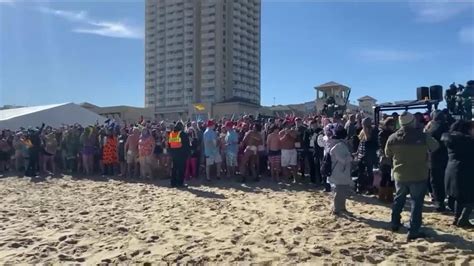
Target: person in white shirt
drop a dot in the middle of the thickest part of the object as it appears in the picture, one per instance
(327, 142)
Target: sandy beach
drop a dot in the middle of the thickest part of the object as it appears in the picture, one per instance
(71, 220)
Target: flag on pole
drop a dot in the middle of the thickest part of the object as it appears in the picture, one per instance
(200, 107)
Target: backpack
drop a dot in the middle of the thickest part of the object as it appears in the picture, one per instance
(326, 165)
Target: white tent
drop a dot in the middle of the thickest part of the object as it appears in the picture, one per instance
(55, 115)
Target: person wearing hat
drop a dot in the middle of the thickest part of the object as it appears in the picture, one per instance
(326, 142)
(395, 117)
(34, 151)
(386, 183)
(211, 150)
(340, 177)
(252, 140)
(407, 149)
(178, 143)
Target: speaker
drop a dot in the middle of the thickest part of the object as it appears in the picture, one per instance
(436, 92)
(422, 93)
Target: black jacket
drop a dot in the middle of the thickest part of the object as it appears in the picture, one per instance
(318, 151)
(384, 134)
(34, 136)
(367, 150)
(184, 151)
(459, 179)
(307, 135)
(439, 158)
(301, 138)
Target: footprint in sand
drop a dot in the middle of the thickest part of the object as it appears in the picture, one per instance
(25, 242)
(421, 248)
(374, 259)
(430, 259)
(319, 251)
(153, 239)
(298, 229)
(358, 257)
(345, 252)
(122, 229)
(383, 238)
(71, 241)
(64, 257)
(79, 250)
(235, 239)
(15, 245)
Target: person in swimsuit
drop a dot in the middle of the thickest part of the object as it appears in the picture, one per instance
(274, 152)
(250, 144)
(288, 137)
(131, 151)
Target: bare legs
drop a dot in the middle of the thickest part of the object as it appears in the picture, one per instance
(87, 164)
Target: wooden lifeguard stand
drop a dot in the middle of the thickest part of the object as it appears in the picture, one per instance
(340, 93)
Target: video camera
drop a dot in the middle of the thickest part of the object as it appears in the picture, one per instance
(459, 99)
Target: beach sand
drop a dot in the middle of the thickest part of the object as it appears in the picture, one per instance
(69, 220)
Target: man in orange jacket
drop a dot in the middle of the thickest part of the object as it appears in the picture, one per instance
(178, 144)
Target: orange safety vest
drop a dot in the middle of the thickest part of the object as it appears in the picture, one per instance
(175, 140)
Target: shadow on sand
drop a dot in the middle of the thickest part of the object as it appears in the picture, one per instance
(433, 236)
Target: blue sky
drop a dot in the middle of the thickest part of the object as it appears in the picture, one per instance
(60, 51)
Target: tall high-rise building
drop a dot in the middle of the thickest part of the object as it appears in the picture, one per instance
(201, 51)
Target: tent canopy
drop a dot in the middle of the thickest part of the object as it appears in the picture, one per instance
(55, 115)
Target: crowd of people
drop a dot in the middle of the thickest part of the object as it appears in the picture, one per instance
(405, 154)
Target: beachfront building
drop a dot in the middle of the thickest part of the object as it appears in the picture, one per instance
(201, 53)
(367, 104)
